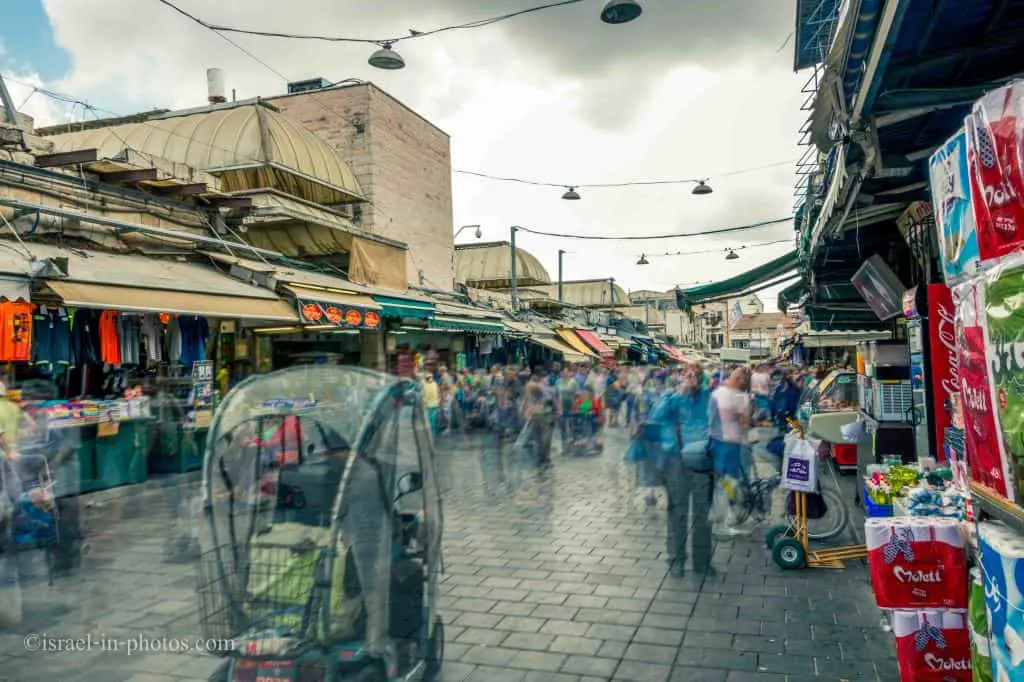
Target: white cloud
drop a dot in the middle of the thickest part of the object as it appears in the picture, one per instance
(683, 92)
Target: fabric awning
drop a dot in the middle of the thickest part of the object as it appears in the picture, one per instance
(392, 306)
(613, 342)
(466, 325)
(673, 353)
(590, 338)
(570, 337)
(551, 343)
(751, 278)
(323, 307)
(134, 299)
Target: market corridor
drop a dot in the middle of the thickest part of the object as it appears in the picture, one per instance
(548, 580)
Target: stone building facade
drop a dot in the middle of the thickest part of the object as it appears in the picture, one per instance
(402, 162)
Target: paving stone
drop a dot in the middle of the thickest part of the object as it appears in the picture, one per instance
(651, 653)
(688, 674)
(479, 635)
(635, 671)
(649, 635)
(536, 660)
(510, 608)
(786, 664)
(533, 641)
(589, 665)
(612, 648)
(568, 644)
(617, 632)
(565, 627)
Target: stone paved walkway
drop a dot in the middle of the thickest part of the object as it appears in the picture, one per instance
(563, 580)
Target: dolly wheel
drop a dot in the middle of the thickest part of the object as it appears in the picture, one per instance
(789, 554)
(435, 653)
(776, 532)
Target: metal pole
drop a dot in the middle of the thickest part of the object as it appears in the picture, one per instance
(647, 314)
(10, 113)
(611, 288)
(560, 254)
(515, 288)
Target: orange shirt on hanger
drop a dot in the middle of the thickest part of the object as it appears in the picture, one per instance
(110, 339)
(16, 339)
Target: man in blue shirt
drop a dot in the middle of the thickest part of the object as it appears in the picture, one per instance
(687, 478)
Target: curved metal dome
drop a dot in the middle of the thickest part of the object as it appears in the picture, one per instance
(489, 266)
(250, 146)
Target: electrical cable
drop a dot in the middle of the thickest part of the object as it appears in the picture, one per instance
(727, 248)
(723, 230)
(369, 41)
(627, 183)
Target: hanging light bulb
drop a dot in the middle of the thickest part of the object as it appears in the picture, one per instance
(620, 11)
(702, 188)
(732, 255)
(643, 260)
(387, 58)
(571, 194)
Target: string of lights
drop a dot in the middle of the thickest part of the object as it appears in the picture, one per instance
(614, 12)
(722, 230)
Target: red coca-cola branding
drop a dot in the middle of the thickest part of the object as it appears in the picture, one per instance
(944, 360)
(980, 434)
(997, 184)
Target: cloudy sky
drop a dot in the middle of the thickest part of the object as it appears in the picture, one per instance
(694, 88)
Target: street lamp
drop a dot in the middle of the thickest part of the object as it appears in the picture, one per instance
(643, 260)
(571, 194)
(732, 255)
(702, 188)
(477, 234)
(620, 11)
(386, 58)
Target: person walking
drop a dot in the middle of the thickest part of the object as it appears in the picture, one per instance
(431, 400)
(729, 423)
(686, 477)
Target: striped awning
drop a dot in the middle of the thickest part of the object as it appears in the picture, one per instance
(570, 337)
(590, 338)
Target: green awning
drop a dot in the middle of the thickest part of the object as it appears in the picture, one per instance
(740, 283)
(792, 294)
(392, 306)
(464, 324)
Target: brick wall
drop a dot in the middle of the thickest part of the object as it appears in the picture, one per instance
(403, 164)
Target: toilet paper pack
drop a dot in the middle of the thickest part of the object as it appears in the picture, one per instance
(1002, 567)
(932, 646)
(917, 562)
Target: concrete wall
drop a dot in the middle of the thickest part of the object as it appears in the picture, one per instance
(403, 164)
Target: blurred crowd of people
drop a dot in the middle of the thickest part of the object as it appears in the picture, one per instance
(687, 425)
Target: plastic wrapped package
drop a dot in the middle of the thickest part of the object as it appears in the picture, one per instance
(997, 185)
(954, 215)
(917, 562)
(1002, 568)
(1004, 318)
(932, 646)
(982, 441)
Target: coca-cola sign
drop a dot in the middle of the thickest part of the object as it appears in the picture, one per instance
(944, 360)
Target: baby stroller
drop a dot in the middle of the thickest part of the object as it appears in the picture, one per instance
(323, 567)
(481, 406)
(580, 435)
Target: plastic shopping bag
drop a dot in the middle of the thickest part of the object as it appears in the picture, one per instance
(726, 500)
(800, 465)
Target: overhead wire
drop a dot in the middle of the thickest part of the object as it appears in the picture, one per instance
(719, 250)
(723, 230)
(626, 183)
(412, 34)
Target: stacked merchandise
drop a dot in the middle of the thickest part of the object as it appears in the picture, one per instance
(901, 490)
(977, 183)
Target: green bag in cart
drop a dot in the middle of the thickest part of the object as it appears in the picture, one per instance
(1004, 307)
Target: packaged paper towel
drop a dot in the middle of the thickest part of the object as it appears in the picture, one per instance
(977, 623)
(1002, 567)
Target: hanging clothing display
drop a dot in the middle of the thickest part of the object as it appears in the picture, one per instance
(16, 342)
(128, 329)
(85, 338)
(51, 340)
(194, 334)
(152, 337)
(173, 341)
(110, 340)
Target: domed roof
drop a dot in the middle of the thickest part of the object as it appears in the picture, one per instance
(250, 146)
(489, 266)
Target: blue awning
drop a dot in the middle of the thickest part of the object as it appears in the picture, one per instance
(392, 306)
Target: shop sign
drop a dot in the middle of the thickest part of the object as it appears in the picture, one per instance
(313, 312)
(944, 363)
